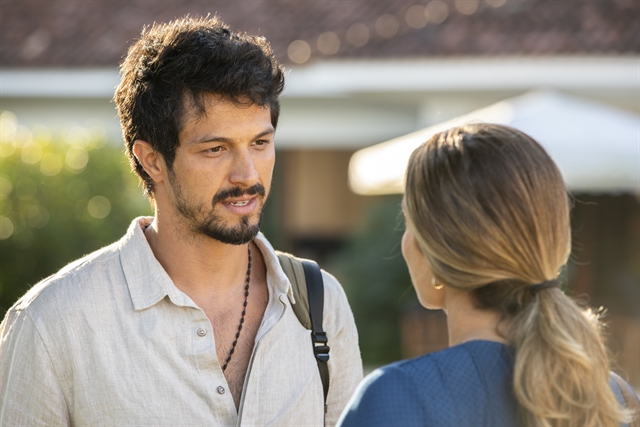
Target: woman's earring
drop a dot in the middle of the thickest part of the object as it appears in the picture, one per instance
(433, 283)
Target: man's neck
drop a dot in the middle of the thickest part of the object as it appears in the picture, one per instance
(196, 264)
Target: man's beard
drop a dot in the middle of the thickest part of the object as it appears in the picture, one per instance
(209, 223)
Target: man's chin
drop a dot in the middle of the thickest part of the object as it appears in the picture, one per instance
(238, 235)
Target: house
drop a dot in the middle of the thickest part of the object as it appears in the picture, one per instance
(360, 72)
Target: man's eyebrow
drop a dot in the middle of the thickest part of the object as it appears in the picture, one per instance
(213, 138)
(265, 133)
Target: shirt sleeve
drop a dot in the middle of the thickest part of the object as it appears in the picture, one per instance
(31, 392)
(345, 363)
(387, 397)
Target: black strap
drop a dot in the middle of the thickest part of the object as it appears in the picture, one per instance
(315, 289)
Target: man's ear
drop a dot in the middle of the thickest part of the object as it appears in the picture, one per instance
(152, 161)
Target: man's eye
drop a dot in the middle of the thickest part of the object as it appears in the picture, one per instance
(262, 142)
(215, 149)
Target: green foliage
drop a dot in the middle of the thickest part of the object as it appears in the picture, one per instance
(375, 277)
(60, 198)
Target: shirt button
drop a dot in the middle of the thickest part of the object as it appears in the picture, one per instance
(221, 389)
(202, 332)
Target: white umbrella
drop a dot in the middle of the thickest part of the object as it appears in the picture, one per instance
(596, 147)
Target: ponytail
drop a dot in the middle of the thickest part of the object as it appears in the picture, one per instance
(561, 372)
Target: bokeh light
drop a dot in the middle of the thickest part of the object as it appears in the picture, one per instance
(8, 126)
(299, 51)
(6, 227)
(76, 159)
(467, 7)
(99, 207)
(328, 43)
(437, 11)
(6, 186)
(387, 26)
(51, 164)
(358, 34)
(42, 135)
(31, 153)
(6, 205)
(416, 17)
(23, 136)
(74, 134)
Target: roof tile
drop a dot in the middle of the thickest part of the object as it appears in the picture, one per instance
(56, 33)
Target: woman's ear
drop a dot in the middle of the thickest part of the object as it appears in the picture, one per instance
(151, 161)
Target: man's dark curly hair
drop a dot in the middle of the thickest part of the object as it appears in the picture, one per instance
(184, 60)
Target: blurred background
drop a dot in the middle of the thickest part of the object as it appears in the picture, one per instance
(359, 73)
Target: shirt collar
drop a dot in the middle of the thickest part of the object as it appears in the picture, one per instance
(149, 283)
(277, 280)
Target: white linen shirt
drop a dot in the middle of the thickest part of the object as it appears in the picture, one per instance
(111, 341)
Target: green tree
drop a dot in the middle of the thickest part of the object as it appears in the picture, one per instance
(60, 198)
(376, 280)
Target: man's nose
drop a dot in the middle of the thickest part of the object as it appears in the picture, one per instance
(243, 171)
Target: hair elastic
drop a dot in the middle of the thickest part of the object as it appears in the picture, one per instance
(553, 283)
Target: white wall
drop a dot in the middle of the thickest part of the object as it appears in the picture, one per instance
(348, 104)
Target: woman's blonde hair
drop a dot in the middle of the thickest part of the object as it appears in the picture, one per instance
(491, 215)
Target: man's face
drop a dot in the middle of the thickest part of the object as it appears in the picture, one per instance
(222, 170)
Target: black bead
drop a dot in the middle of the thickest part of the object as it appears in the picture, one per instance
(244, 310)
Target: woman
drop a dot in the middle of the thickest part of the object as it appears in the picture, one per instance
(487, 234)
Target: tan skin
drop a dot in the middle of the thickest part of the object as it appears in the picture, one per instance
(230, 146)
(465, 322)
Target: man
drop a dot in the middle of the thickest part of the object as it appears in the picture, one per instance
(187, 320)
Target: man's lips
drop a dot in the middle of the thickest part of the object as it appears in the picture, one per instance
(241, 205)
(239, 201)
(236, 194)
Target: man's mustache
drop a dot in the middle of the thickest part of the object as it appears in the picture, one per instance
(238, 192)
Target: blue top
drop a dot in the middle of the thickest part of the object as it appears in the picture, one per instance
(466, 385)
(469, 384)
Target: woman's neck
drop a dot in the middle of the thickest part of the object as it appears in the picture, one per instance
(466, 322)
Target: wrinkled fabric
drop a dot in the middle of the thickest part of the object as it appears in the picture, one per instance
(111, 341)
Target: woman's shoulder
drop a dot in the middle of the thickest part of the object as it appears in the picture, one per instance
(431, 389)
(387, 396)
(482, 357)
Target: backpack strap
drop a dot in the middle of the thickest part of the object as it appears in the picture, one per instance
(308, 291)
(315, 288)
(294, 270)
